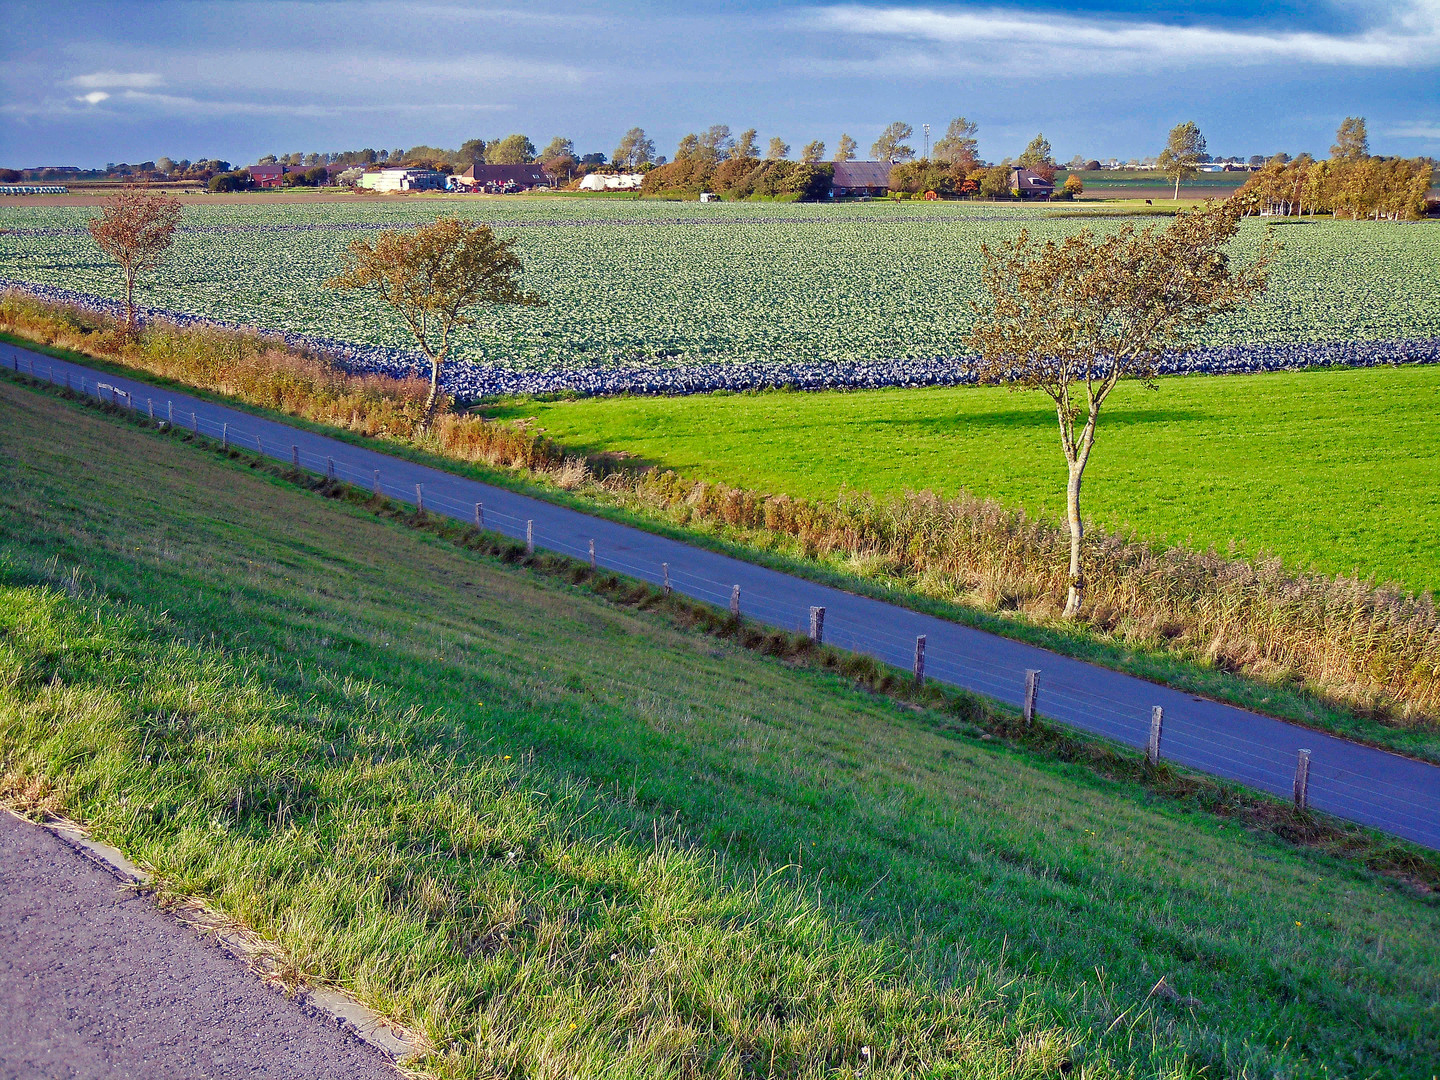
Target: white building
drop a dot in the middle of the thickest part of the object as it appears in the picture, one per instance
(403, 180)
(612, 182)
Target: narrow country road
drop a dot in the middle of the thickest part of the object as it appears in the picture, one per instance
(97, 981)
(1395, 794)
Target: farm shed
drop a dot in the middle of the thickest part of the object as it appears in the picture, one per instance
(403, 180)
(612, 182)
(500, 178)
(1028, 185)
(861, 178)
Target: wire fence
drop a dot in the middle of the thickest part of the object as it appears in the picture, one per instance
(1361, 795)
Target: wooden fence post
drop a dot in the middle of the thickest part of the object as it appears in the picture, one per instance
(919, 659)
(377, 483)
(1152, 749)
(330, 468)
(592, 554)
(150, 407)
(1302, 781)
(817, 625)
(665, 567)
(530, 537)
(735, 601)
(169, 405)
(479, 515)
(1032, 690)
(420, 499)
(224, 436)
(194, 423)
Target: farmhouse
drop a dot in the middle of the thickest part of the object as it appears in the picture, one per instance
(612, 182)
(502, 178)
(403, 180)
(854, 178)
(273, 176)
(1025, 184)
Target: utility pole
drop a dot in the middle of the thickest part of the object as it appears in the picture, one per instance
(927, 141)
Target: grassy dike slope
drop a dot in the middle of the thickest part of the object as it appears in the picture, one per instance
(566, 839)
(1330, 468)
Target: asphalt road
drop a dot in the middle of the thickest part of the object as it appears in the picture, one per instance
(96, 981)
(1395, 794)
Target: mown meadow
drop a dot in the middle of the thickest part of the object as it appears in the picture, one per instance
(684, 284)
(1328, 469)
(567, 839)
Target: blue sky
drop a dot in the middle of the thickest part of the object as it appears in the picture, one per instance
(87, 83)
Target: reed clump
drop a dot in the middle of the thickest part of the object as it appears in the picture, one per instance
(1373, 648)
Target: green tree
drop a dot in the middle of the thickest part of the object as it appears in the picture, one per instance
(688, 148)
(813, 153)
(1183, 153)
(471, 152)
(959, 144)
(1352, 141)
(891, 144)
(511, 150)
(558, 157)
(995, 182)
(1038, 157)
(437, 278)
(779, 149)
(845, 149)
(744, 148)
(716, 143)
(1073, 319)
(634, 150)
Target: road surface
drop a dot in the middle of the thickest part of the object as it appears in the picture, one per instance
(97, 981)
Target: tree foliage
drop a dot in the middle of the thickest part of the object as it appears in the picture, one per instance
(437, 278)
(890, 146)
(135, 229)
(1073, 319)
(1352, 141)
(1038, 157)
(813, 152)
(845, 149)
(511, 150)
(959, 145)
(744, 147)
(779, 149)
(634, 150)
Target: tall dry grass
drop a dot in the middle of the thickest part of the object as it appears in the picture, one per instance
(1372, 648)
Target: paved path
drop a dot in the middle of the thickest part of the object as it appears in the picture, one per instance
(1389, 792)
(96, 981)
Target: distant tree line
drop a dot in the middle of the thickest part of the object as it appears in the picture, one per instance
(1353, 183)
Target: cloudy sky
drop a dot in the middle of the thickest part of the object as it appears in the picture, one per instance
(127, 80)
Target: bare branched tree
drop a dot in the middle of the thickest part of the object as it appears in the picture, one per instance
(437, 278)
(1073, 319)
(135, 228)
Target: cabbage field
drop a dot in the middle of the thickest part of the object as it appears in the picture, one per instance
(645, 295)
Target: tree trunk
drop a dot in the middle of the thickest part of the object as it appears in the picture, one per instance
(431, 397)
(1177, 187)
(1076, 595)
(129, 303)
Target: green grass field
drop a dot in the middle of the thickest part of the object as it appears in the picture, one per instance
(567, 839)
(1333, 469)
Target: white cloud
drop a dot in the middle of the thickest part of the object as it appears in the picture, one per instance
(94, 97)
(1407, 34)
(117, 80)
(1416, 130)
